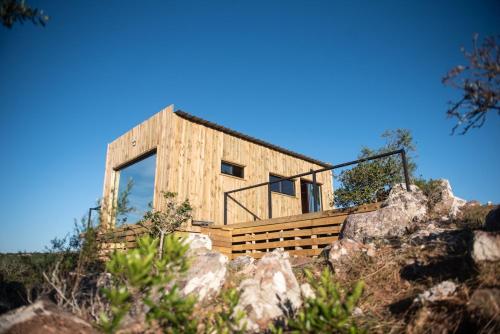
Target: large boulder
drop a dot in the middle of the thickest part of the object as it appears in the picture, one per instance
(399, 211)
(42, 317)
(206, 275)
(486, 246)
(271, 293)
(444, 202)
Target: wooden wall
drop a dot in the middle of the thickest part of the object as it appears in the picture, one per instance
(188, 163)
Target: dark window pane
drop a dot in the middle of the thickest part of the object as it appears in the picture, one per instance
(230, 169)
(284, 187)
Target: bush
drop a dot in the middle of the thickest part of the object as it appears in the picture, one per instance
(370, 181)
(143, 286)
(329, 311)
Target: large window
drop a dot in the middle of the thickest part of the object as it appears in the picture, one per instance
(231, 169)
(135, 190)
(286, 187)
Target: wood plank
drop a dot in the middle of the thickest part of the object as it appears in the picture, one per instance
(286, 243)
(336, 220)
(285, 234)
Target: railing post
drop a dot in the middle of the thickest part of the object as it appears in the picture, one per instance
(269, 202)
(225, 208)
(405, 169)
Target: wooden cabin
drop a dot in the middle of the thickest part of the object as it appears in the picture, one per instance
(174, 151)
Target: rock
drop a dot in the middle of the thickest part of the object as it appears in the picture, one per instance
(397, 214)
(198, 243)
(486, 246)
(243, 265)
(206, 275)
(342, 251)
(272, 292)
(486, 302)
(444, 202)
(42, 317)
(492, 221)
(437, 292)
(307, 291)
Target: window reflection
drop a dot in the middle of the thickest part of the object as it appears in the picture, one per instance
(135, 190)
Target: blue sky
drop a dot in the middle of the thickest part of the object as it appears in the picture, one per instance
(319, 77)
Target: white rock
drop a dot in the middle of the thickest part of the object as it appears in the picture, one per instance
(437, 292)
(486, 246)
(398, 212)
(198, 243)
(206, 275)
(307, 291)
(272, 289)
(447, 203)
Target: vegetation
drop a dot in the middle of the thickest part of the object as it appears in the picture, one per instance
(143, 286)
(479, 85)
(371, 181)
(12, 11)
(328, 311)
(163, 222)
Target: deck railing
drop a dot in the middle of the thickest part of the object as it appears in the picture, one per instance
(227, 194)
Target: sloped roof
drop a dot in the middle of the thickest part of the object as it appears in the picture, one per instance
(240, 135)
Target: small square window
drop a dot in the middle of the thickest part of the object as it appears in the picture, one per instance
(286, 187)
(232, 169)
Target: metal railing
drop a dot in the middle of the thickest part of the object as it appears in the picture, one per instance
(227, 194)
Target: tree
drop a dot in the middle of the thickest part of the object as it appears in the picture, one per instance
(371, 181)
(163, 222)
(12, 11)
(479, 83)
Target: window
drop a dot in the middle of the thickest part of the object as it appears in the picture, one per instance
(135, 190)
(286, 187)
(231, 169)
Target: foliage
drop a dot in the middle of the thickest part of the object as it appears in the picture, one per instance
(479, 84)
(371, 181)
(329, 311)
(229, 320)
(431, 189)
(12, 11)
(143, 285)
(162, 222)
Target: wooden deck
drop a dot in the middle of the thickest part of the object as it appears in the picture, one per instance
(303, 235)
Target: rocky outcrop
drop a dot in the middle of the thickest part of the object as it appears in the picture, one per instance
(486, 246)
(444, 203)
(398, 212)
(206, 275)
(42, 317)
(270, 293)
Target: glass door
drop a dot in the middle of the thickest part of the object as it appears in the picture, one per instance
(310, 196)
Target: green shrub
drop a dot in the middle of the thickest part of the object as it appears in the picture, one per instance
(143, 286)
(329, 311)
(371, 181)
